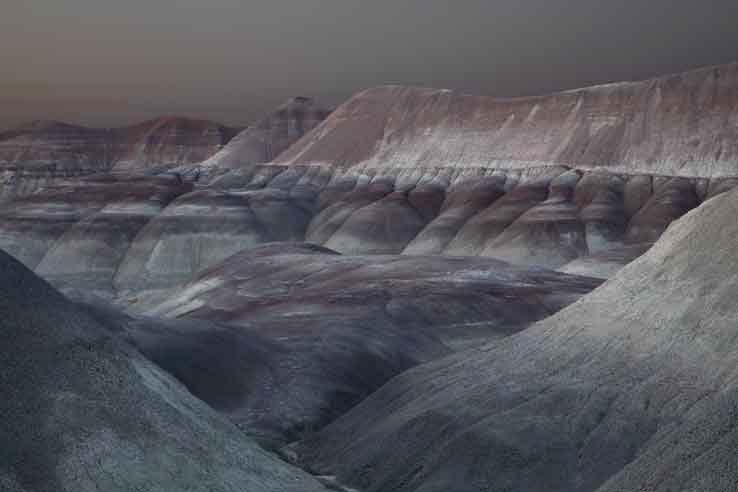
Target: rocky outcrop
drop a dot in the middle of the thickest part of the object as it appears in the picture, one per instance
(83, 410)
(684, 124)
(631, 388)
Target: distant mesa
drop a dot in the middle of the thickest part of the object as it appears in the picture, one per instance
(41, 153)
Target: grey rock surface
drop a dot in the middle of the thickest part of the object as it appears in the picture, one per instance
(633, 387)
(83, 411)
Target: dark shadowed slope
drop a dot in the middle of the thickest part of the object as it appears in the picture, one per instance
(82, 411)
(682, 124)
(333, 329)
(631, 388)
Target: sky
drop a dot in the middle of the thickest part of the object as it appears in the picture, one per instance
(110, 63)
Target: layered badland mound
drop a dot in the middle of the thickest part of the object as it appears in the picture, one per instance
(341, 326)
(123, 235)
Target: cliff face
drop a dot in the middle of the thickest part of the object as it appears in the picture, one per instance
(43, 152)
(684, 124)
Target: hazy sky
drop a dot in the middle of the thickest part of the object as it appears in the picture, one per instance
(104, 62)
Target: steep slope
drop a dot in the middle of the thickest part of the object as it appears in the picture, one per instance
(81, 410)
(271, 136)
(682, 124)
(631, 388)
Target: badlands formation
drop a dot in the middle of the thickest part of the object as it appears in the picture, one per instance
(419, 291)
